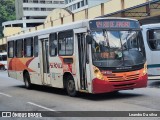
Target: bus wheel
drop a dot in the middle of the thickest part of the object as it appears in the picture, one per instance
(27, 81)
(70, 86)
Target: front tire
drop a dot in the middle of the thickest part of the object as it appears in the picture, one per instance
(27, 82)
(70, 87)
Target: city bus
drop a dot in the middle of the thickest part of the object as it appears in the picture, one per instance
(3, 60)
(151, 36)
(98, 55)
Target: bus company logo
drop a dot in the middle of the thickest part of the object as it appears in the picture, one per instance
(6, 114)
(56, 65)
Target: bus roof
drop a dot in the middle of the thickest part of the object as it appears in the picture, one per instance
(151, 26)
(73, 25)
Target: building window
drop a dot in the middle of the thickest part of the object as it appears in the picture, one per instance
(28, 47)
(43, 9)
(86, 2)
(7, 25)
(35, 46)
(56, 2)
(30, 1)
(25, 1)
(31, 9)
(33, 24)
(11, 49)
(78, 5)
(36, 9)
(153, 39)
(53, 44)
(66, 1)
(48, 2)
(50, 9)
(74, 6)
(61, 2)
(65, 43)
(35, 1)
(19, 50)
(25, 8)
(3, 58)
(17, 25)
(82, 3)
(42, 1)
(70, 8)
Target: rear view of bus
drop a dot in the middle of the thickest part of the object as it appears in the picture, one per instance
(118, 55)
(3, 61)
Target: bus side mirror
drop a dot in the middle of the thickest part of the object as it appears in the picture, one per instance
(89, 39)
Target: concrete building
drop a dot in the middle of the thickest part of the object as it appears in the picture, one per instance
(78, 5)
(36, 9)
(31, 13)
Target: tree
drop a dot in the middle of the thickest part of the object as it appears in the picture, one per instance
(7, 12)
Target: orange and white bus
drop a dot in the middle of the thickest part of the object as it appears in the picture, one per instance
(95, 56)
(3, 61)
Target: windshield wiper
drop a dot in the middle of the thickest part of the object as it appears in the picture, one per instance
(123, 64)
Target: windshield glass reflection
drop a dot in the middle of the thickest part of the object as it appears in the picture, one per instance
(117, 48)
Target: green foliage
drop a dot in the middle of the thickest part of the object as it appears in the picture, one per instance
(7, 11)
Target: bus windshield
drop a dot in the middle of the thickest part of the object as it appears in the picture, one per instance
(117, 48)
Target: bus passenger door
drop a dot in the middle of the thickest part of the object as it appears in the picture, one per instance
(84, 71)
(44, 62)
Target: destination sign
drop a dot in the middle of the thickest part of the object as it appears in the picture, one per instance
(103, 24)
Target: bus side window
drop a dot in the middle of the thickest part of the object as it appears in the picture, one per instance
(69, 45)
(65, 43)
(11, 49)
(28, 47)
(4, 57)
(53, 44)
(19, 48)
(35, 47)
(15, 48)
(153, 39)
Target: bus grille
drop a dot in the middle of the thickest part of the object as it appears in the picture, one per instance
(122, 78)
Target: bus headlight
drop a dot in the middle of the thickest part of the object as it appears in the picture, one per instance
(145, 69)
(98, 74)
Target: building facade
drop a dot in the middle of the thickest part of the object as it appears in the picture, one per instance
(78, 5)
(31, 13)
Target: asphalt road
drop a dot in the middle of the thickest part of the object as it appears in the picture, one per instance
(15, 97)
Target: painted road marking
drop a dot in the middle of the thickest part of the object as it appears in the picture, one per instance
(40, 106)
(5, 94)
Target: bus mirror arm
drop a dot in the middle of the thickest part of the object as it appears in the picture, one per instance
(89, 39)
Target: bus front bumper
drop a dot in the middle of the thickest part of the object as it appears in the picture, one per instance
(101, 86)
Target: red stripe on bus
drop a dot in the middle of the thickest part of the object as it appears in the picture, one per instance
(29, 61)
